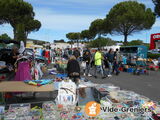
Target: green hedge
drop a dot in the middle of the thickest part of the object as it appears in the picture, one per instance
(153, 56)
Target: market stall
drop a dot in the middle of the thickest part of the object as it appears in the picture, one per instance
(139, 51)
(61, 65)
(134, 60)
(65, 106)
(120, 105)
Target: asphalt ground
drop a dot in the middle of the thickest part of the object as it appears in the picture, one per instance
(147, 85)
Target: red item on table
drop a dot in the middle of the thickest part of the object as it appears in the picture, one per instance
(47, 55)
(120, 69)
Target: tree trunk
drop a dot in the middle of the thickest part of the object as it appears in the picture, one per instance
(14, 32)
(77, 43)
(25, 41)
(99, 35)
(71, 45)
(125, 39)
(27, 35)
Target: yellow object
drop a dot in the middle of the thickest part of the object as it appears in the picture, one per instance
(98, 58)
(32, 83)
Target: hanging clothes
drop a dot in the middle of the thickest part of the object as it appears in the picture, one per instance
(47, 56)
(23, 72)
(41, 52)
(37, 71)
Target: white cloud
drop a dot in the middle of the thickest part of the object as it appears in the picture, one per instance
(64, 22)
(55, 19)
(69, 2)
(157, 23)
(84, 2)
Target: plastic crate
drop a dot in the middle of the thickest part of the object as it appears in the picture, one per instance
(130, 70)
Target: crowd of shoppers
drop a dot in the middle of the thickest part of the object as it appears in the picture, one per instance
(100, 61)
(105, 62)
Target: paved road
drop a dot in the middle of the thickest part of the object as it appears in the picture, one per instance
(147, 85)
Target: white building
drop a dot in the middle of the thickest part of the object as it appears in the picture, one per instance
(80, 45)
(114, 47)
(60, 45)
(66, 45)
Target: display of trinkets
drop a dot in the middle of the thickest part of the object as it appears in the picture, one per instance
(60, 107)
(78, 108)
(58, 80)
(49, 106)
(50, 115)
(65, 115)
(36, 113)
(78, 114)
(10, 116)
(2, 109)
(157, 109)
(50, 111)
(18, 112)
(119, 99)
(25, 118)
(20, 109)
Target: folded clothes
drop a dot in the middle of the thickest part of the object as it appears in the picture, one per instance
(53, 69)
(39, 82)
(53, 73)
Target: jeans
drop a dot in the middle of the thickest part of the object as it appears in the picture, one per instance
(115, 67)
(98, 68)
(86, 70)
(110, 68)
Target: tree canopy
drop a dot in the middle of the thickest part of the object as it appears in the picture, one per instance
(5, 37)
(86, 35)
(59, 41)
(74, 37)
(135, 42)
(129, 17)
(16, 13)
(101, 42)
(70, 37)
(31, 26)
(12, 11)
(157, 7)
(97, 27)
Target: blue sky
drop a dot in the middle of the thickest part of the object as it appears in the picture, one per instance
(59, 17)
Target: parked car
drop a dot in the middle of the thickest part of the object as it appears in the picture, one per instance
(5, 55)
(154, 51)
